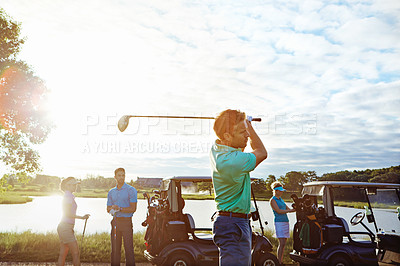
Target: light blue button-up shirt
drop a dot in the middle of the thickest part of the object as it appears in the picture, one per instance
(122, 197)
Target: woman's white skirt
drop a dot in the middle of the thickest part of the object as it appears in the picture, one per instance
(282, 230)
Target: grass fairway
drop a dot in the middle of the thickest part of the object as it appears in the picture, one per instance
(269, 233)
(6, 198)
(28, 246)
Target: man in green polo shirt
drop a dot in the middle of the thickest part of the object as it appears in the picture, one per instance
(231, 167)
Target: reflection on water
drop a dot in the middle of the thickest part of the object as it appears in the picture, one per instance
(44, 213)
(37, 215)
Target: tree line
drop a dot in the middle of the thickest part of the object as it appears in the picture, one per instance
(293, 181)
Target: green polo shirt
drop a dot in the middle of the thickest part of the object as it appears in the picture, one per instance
(231, 178)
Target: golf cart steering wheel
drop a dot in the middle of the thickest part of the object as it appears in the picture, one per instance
(357, 218)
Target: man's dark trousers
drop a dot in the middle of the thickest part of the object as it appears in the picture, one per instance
(124, 230)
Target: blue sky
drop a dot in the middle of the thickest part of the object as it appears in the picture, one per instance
(323, 75)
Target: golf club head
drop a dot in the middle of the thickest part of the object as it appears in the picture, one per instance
(123, 123)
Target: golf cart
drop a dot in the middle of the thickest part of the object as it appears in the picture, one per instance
(321, 237)
(172, 237)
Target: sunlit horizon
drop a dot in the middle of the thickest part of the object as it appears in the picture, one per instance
(324, 77)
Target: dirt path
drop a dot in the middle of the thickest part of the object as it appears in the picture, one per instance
(68, 263)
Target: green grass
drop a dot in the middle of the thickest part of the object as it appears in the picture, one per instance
(13, 199)
(28, 246)
(269, 233)
(360, 205)
(197, 196)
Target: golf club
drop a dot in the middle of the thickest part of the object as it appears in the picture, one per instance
(84, 228)
(257, 212)
(124, 120)
(114, 235)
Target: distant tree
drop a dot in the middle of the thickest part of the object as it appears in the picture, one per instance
(390, 177)
(293, 181)
(259, 186)
(43, 188)
(46, 179)
(270, 179)
(23, 114)
(360, 178)
(205, 186)
(338, 176)
(137, 184)
(4, 183)
(51, 186)
(97, 182)
(376, 175)
(11, 181)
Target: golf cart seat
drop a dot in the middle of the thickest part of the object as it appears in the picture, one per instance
(201, 237)
(361, 243)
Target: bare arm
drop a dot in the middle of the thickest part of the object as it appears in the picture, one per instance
(86, 216)
(275, 207)
(131, 208)
(256, 144)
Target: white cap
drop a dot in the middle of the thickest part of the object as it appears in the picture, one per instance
(73, 182)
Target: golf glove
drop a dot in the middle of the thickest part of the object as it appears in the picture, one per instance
(113, 212)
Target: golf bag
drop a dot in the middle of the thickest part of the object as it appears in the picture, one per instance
(156, 219)
(308, 234)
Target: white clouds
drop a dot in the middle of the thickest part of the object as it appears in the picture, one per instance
(367, 33)
(336, 61)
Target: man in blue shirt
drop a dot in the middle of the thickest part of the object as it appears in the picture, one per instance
(231, 179)
(121, 203)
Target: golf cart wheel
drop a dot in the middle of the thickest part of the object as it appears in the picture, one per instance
(339, 260)
(267, 259)
(180, 259)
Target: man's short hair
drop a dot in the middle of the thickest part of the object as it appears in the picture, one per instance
(226, 121)
(117, 170)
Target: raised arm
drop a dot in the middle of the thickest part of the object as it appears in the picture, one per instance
(256, 144)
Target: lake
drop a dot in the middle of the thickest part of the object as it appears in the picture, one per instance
(43, 215)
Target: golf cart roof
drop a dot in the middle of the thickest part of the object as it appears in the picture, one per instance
(189, 178)
(317, 188)
(194, 178)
